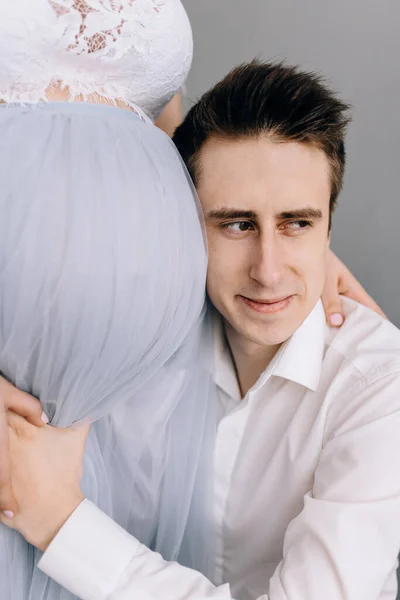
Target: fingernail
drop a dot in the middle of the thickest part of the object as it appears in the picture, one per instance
(336, 319)
(45, 418)
(8, 514)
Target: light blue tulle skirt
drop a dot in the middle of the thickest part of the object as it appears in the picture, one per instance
(102, 277)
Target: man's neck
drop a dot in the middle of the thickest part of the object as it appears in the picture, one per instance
(250, 359)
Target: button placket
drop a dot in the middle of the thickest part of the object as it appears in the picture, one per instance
(229, 438)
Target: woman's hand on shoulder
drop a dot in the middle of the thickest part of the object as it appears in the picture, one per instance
(339, 281)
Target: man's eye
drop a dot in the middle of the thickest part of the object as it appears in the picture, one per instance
(297, 225)
(238, 227)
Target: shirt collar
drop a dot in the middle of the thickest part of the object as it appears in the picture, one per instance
(302, 354)
(225, 372)
(299, 359)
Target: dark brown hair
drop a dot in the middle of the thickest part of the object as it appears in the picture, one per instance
(274, 99)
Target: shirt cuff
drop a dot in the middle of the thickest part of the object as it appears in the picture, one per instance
(90, 553)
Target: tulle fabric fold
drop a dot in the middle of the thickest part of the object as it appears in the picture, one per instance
(102, 316)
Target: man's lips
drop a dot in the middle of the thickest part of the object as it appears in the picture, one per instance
(270, 306)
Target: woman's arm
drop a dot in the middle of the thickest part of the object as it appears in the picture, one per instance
(339, 281)
(171, 116)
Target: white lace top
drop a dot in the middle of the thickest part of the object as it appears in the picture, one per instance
(137, 51)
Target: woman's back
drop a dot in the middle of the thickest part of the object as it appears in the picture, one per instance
(102, 288)
(103, 266)
(138, 51)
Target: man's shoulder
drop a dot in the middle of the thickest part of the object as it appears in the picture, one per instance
(366, 342)
(360, 379)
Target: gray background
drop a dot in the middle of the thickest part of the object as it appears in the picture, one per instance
(356, 44)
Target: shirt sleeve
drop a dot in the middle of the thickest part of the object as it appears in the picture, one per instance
(344, 544)
(95, 559)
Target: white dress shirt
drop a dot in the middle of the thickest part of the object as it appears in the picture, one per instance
(307, 482)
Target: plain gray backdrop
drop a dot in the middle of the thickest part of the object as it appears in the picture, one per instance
(356, 45)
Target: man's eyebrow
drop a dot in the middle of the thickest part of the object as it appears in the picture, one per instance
(231, 213)
(301, 213)
(237, 213)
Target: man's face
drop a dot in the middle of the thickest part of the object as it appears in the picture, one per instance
(266, 205)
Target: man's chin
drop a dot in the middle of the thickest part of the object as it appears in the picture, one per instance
(269, 329)
(271, 338)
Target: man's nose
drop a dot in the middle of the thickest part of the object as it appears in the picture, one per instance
(267, 262)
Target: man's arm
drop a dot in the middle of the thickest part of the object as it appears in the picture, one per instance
(342, 546)
(95, 559)
(87, 552)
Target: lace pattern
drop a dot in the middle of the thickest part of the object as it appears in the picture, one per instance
(137, 51)
(100, 26)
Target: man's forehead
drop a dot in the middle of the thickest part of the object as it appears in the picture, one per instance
(266, 148)
(255, 172)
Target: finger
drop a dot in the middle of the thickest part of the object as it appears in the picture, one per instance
(22, 403)
(19, 426)
(332, 303)
(350, 287)
(7, 518)
(7, 500)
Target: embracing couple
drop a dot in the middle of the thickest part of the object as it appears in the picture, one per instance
(237, 447)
